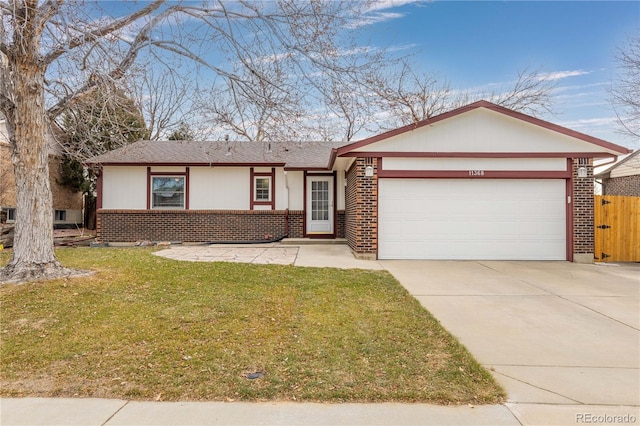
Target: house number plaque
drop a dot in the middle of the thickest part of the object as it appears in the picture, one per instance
(476, 172)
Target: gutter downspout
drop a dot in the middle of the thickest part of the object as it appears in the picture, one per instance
(614, 158)
(598, 181)
(286, 212)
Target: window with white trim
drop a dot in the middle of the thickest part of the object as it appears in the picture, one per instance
(167, 192)
(262, 188)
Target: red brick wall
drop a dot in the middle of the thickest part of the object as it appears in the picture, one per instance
(350, 207)
(340, 224)
(197, 225)
(583, 207)
(361, 215)
(624, 185)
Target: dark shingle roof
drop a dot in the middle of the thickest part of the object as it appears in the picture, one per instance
(289, 154)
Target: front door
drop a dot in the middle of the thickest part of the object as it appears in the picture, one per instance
(320, 204)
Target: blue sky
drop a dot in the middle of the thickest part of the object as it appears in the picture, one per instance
(475, 44)
(483, 45)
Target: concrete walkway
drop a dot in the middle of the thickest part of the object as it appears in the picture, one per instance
(563, 339)
(314, 255)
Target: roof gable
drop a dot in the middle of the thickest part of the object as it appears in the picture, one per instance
(483, 127)
(629, 166)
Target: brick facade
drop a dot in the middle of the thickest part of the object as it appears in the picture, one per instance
(361, 216)
(203, 225)
(624, 185)
(583, 242)
(340, 224)
(198, 225)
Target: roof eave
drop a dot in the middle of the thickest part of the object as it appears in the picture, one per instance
(185, 164)
(607, 172)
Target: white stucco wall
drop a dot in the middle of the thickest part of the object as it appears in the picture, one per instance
(124, 187)
(219, 188)
(210, 188)
(482, 130)
(282, 202)
(525, 164)
(295, 181)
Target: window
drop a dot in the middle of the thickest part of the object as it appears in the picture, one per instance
(11, 215)
(167, 192)
(320, 200)
(262, 189)
(60, 215)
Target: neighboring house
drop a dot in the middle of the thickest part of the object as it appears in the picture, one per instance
(67, 204)
(622, 178)
(479, 182)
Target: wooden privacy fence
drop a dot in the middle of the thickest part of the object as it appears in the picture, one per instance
(617, 228)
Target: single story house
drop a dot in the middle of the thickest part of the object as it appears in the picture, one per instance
(621, 178)
(478, 182)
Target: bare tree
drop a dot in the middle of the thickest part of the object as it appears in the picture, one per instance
(625, 94)
(100, 121)
(259, 111)
(165, 98)
(530, 94)
(349, 102)
(54, 53)
(409, 96)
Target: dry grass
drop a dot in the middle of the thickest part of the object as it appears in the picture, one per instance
(147, 328)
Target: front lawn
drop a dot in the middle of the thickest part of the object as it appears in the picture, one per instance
(145, 327)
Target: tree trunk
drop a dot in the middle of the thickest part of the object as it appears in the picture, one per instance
(90, 205)
(33, 254)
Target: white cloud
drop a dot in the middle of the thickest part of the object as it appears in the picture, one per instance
(389, 4)
(401, 47)
(559, 75)
(589, 123)
(378, 12)
(374, 18)
(597, 85)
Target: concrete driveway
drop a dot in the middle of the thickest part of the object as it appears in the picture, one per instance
(550, 332)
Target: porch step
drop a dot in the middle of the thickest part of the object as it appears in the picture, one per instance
(312, 241)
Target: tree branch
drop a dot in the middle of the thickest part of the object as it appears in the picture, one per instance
(96, 34)
(47, 11)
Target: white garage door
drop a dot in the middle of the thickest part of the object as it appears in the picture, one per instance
(502, 219)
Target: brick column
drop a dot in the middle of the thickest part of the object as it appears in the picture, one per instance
(361, 214)
(583, 244)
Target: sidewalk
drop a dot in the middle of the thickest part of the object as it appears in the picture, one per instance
(53, 411)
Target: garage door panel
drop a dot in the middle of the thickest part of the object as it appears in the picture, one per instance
(472, 219)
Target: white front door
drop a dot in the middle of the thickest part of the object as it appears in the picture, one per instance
(319, 205)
